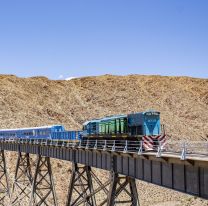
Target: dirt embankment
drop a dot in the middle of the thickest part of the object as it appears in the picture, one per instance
(182, 101)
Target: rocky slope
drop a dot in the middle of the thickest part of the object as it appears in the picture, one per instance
(182, 101)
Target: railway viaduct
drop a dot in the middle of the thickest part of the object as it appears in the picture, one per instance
(183, 172)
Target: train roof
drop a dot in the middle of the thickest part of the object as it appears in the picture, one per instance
(151, 111)
(107, 118)
(29, 128)
(144, 112)
(113, 117)
(91, 121)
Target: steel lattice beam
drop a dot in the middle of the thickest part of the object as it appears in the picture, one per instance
(81, 184)
(81, 188)
(4, 184)
(122, 184)
(83, 192)
(21, 189)
(43, 190)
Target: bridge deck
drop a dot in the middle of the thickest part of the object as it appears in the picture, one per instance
(168, 170)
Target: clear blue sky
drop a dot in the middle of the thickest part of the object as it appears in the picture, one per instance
(93, 37)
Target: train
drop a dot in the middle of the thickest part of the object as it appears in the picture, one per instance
(145, 126)
(53, 132)
(130, 126)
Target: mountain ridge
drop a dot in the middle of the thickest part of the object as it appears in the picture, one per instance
(33, 101)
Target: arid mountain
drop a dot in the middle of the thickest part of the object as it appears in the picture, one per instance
(182, 101)
(37, 101)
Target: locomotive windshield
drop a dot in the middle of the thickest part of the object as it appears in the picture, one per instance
(152, 113)
(152, 116)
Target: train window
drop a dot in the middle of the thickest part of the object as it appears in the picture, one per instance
(94, 126)
(44, 132)
(27, 133)
(47, 132)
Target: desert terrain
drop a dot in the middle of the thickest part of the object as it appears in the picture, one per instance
(38, 101)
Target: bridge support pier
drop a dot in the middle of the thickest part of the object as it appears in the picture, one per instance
(122, 184)
(4, 184)
(43, 190)
(82, 190)
(82, 186)
(21, 189)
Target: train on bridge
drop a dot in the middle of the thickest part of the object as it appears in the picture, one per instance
(139, 126)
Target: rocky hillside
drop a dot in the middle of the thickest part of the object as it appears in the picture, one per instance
(35, 101)
(182, 101)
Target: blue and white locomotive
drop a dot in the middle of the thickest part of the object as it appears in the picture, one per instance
(131, 125)
(139, 126)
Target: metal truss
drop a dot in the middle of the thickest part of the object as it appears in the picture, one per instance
(43, 190)
(82, 189)
(123, 191)
(21, 189)
(4, 184)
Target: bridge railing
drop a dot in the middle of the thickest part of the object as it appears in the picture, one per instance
(182, 148)
(191, 147)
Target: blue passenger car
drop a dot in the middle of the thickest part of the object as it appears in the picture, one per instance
(66, 135)
(31, 133)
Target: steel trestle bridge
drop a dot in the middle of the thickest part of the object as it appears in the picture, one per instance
(181, 166)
